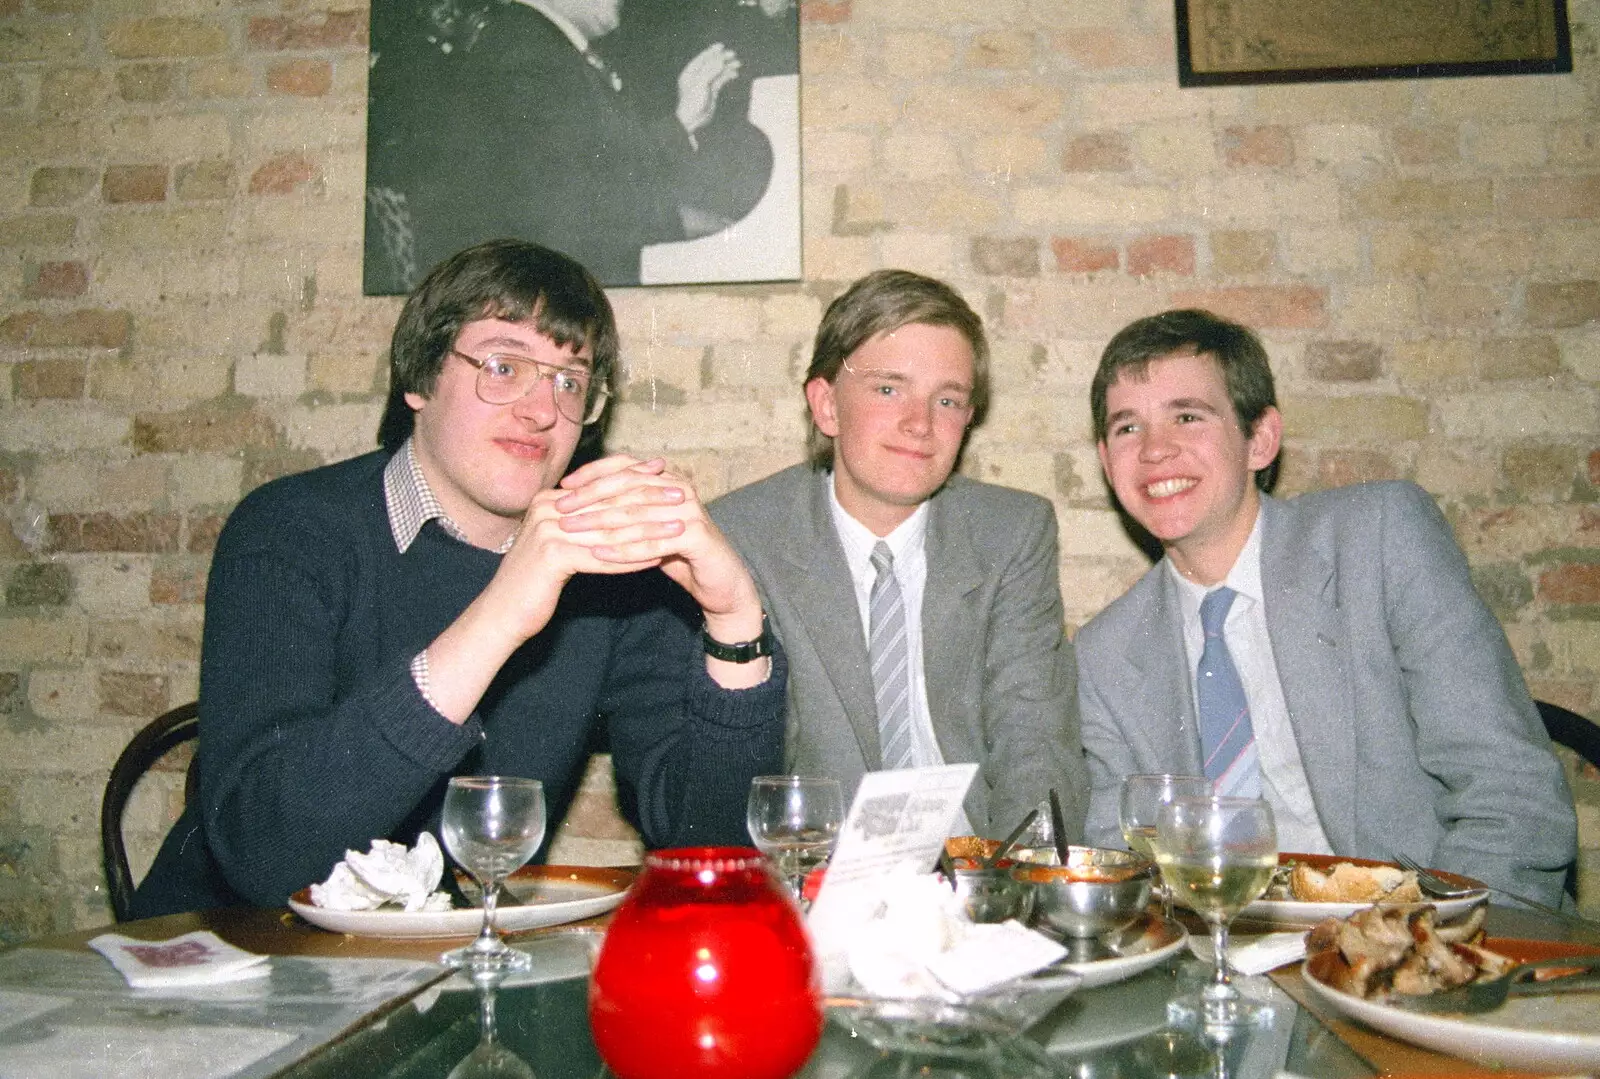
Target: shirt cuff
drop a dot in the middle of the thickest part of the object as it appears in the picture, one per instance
(419, 675)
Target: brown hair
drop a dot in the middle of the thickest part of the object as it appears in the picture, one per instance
(506, 279)
(879, 303)
(1238, 351)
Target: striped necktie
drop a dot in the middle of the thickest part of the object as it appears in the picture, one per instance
(891, 661)
(1227, 739)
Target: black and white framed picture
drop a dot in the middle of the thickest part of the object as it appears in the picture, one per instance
(655, 141)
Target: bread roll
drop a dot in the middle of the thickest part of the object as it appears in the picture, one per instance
(1350, 883)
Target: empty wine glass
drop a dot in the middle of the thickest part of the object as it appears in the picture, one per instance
(491, 825)
(794, 821)
(489, 1059)
(1140, 807)
(1217, 855)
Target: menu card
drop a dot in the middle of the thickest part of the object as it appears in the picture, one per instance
(897, 823)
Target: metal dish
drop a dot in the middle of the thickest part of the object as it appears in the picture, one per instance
(1099, 891)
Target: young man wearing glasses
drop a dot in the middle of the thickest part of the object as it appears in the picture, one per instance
(920, 610)
(459, 605)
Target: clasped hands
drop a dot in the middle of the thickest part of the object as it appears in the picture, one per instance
(621, 514)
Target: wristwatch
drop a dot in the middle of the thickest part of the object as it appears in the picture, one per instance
(744, 651)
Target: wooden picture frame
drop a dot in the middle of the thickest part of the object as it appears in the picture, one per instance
(1239, 42)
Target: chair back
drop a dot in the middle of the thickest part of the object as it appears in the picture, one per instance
(1568, 728)
(152, 743)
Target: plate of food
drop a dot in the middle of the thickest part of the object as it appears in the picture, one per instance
(544, 895)
(1359, 967)
(1146, 943)
(1309, 888)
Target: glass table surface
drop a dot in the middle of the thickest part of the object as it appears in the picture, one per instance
(1110, 1031)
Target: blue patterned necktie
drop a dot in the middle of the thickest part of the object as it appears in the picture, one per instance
(891, 661)
(1227, 739)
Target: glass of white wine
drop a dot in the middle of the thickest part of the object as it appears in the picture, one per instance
(491, 826)
(795, 821)
(1217, 855)
(1142, 798)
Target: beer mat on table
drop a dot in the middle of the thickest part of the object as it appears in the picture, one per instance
(197, 958)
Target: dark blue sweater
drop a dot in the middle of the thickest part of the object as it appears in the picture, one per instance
(315, 739)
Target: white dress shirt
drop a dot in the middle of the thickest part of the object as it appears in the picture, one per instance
(908, 545)
(1283, 775)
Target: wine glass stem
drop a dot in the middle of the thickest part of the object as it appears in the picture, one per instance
(789, 870)
(1219, 944)
(489, 940)
(486, 1014)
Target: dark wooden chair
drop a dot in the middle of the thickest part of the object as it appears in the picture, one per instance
(1568, 728)
(159, 737)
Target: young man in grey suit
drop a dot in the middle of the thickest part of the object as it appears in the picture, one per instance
(1357, 681)
(945, 646)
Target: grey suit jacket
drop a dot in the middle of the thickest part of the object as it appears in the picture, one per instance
(1415, 727)
(999, 669)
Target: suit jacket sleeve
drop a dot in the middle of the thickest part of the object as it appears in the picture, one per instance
(1030, 701)
(1109, 758)
(1502, 797)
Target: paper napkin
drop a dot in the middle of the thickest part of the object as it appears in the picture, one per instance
(920, 944)
(198, 958)
(386, 874)
(1255, 954)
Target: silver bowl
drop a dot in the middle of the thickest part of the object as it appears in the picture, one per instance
(993, 895)
(1098, 891)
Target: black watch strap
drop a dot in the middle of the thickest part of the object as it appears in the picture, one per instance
(744, 651)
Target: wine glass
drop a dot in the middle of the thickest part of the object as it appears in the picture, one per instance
(1217, 855)
(491, 825)
(489, 1059)
(794, 821)
(1142, 799)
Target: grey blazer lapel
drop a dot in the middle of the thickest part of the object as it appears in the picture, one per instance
(951, 633)
(824, 598)
(1171, 735)
(1300, 579)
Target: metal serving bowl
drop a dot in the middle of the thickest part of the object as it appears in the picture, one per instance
(1098, 891)
(993, 895)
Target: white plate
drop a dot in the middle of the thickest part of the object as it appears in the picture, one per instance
(1292, 912)
(550, 894)
(1554, 1032)
(1146, 943)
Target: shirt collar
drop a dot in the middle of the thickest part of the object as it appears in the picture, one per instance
(1244, 578)
(411, 503)
(858, 540)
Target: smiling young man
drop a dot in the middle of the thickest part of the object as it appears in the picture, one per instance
(454, 605)
(1326, 652)
(920, 610)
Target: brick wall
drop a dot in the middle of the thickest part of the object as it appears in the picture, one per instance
(181, 319)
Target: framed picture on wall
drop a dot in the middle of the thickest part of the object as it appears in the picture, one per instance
(655, 141)
(1231, 42)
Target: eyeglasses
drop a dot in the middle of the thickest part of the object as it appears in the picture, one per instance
(503, 379)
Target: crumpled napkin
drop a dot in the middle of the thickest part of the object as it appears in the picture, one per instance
(921, 944)
(387, 874)
(198, 958)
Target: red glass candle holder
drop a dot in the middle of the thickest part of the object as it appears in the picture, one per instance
(706, 972)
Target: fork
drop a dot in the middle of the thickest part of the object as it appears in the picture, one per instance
(1439, 888)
